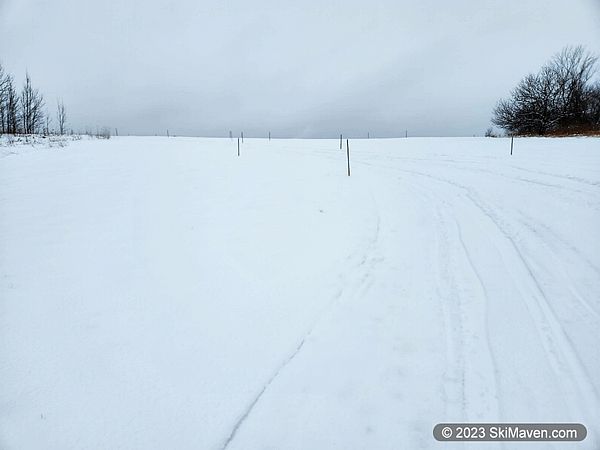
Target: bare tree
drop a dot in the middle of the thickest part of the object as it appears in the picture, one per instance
(572, 68)
(490, 133)
(4, 83)
(12, 107)
(61, 116)
(47, 125)
(553, 100)
(593, 104)
(103, 133)
(9, 104)
(2, 101)
(32, 102)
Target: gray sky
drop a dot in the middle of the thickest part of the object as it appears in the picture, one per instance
(304, 68)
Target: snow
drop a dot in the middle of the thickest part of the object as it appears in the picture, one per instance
(19, 144)
(164, 293)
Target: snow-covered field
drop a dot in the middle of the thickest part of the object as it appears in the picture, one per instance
(163, 293)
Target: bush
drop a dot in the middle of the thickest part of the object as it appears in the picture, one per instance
(490, 133)
(103, 133)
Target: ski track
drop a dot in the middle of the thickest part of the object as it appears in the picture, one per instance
(572, 286)
(559, 349)
(533, 225)
(459, 165)
(564, 191)
(361, 281)
(252, 404)
(486, 403)
(561, 177)
(550, 236)
(491, 365)
(531, 256)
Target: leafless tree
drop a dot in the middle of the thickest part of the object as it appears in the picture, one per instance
(5, 82)
(593, 104)
(490, 133)
(9, 108)
(61, 116)
(2, 100)
(103, 133)
(12, 109)
(47, 125)
(553, 100)
(32, 103)
(572, 67)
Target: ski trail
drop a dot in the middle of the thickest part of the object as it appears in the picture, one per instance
(453, 382)
(568, 281)
(489, 381)
(557, 345)
(454, 379)
(561, 177)
(552, 240)
(472, 368)
(552, 237)
(460, 165)
(361, 287)
(252, 404)
(568, 194)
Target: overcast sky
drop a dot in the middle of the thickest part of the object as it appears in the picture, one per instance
(303, 68)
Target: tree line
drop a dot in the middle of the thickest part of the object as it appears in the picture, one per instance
(562, 98)
(24, 112)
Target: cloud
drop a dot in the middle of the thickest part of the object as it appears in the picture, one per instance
(309, 68)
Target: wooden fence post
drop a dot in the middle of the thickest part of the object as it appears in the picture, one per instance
(340, 141)
(238, 146)
(511, 144)
(348, 155)
(242, 137)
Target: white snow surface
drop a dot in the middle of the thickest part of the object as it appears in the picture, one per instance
(164, 293)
